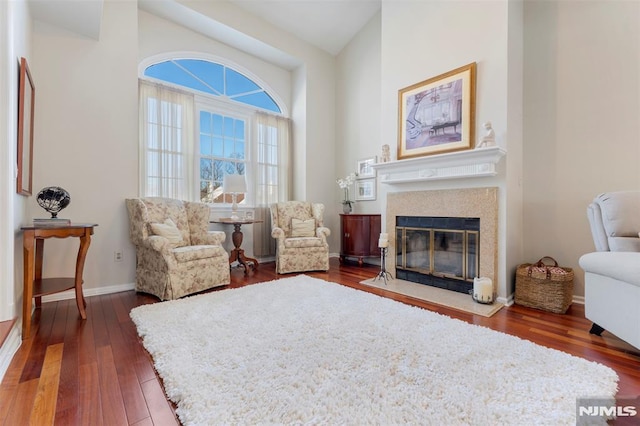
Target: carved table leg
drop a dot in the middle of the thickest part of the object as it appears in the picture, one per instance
(237, 253)
(85, 241)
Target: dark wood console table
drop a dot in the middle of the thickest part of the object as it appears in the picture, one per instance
(359, 235)
(33, 237)
(237, 254)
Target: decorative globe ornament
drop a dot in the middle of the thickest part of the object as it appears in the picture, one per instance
(53, 199)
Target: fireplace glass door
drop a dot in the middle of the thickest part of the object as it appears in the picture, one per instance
(446, 253)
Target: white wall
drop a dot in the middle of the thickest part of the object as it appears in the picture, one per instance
(358, 82)
(514, 244)
(15, 42)
(87, 138)
(582, 132)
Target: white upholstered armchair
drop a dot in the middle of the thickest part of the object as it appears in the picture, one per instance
(176, 254)
(301, 237)
(612, 273)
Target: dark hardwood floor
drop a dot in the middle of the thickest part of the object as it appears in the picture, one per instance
(96, 372)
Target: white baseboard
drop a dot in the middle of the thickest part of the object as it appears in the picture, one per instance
(97, 291)
(9, 348)
(262, 260)
(506, 301)
(578, 299)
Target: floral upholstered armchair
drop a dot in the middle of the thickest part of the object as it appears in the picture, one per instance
(176, 254)
(301, 237)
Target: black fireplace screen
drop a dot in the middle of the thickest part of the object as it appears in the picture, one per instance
(438, 246)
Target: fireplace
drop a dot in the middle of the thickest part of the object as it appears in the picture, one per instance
(455, 215)
(438, 251)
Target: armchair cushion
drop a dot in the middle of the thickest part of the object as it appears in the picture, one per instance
(303, 228)
(303, 242)
(190, 253)
(168, 230)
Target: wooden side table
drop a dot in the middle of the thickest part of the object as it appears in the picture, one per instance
(237, 254)
(34, 285)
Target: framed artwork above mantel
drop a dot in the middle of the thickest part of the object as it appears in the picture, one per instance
(438, 115)
(26, 108)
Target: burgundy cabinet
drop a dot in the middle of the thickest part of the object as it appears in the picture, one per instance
(359, 235)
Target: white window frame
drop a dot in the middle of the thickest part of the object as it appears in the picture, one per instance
(219, 106)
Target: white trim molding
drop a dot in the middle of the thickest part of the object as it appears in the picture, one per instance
(452, 165)
(97, 291)
(10, 347)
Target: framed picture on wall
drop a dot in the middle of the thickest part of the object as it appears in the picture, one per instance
(366, 190)
(26, 104)
(364, 168)
(438, 115)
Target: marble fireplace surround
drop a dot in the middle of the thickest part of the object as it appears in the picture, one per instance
(467, 202)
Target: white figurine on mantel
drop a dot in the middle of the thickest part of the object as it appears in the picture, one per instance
(489, 139)
(386, 153)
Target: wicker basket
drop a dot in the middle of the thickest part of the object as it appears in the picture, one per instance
(543, 286)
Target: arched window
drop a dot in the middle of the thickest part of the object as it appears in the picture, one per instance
(218, 121)
(214, 79)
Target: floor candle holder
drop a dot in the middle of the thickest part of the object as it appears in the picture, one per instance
(383, 274)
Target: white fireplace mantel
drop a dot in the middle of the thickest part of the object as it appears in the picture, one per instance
(452, 165)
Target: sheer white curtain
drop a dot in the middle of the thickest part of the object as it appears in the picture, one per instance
(272, 177)
(166, 142)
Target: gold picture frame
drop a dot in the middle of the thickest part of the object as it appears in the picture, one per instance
(438, 115)
(26, 108)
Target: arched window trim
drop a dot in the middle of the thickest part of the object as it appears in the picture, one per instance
(167, 56)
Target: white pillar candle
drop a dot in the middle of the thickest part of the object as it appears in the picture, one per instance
(487, 290)
(483, 289)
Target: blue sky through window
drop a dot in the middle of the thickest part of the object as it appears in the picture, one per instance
(214, 79)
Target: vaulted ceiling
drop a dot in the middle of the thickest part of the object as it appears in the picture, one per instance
(326, 24)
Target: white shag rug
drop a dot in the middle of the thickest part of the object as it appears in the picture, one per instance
(305, 351)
